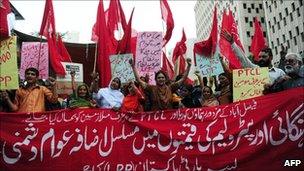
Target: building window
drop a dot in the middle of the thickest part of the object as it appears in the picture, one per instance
(301, 2)
(298, 12)
(291, 17)
(262, 20)
(261, 6)
(273, 31)
(293, 6)
(279, 26)
(290, 35)
(276, 50)
(302, 36)
(249, 10)
(288, 44)
(270, 8)
(250, 24)
(257, 10)
(272, 46)
(275, 4)
(252, 6)
(295, 41)
(297, 31)
(278, 42)
(249, 48)
(246, 19)
(281, 1)
(244, 5)
(286, 11)
(280, 15)
(284, 20)
(284, 38)
(269, 23)
(264, 33)
(274, 19)
(248, 33)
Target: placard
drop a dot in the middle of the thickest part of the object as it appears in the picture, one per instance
(121, 68)
(68, 67)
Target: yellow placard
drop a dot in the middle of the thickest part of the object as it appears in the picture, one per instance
(249, 82)
(8, 64)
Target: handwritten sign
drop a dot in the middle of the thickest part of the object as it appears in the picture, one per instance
(209, 66)
(180, 140)
(68, 67)
(8, 64)
(249, 82)
(148, 51)
(121, 68)
(30, 58)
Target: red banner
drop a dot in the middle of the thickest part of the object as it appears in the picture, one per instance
(261, 133)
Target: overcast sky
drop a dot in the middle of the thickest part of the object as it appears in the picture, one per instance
(80, 16)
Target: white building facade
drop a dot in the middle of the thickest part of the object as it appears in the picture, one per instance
(243, 11)
(285, 25)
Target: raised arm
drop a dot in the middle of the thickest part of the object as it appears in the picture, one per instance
(73, 73)
(141, 83)
(246, 63)
(53, 96)
(225, 67)
(94, 85)
(200, 79)
(185, 75)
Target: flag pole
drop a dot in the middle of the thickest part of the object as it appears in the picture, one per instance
(95, 57)
(39, 52)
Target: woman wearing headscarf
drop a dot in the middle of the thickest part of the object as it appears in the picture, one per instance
(81, 98)
(109, 97)
(133, 99)
(161, 92)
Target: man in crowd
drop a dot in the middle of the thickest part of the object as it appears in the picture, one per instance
(31, 97)
(265, 58)
(295, 74)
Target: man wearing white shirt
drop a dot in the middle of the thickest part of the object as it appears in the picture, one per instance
(265, 59)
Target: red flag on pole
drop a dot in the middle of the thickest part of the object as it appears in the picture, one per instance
(258, 41)
(47, 29)
(5, 9)
(104, 48)
(124, 45)
(63, 51)
(229, 24)
(168, 18)
(207, 47)
(178, 55)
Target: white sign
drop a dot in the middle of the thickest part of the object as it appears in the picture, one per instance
(68, 67)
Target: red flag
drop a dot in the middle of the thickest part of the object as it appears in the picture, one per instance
(5, 9)
(207, 47)
(168, 18)
(258, 41)
(63, 51)
(229, 24)
(167, 67)
(125, 43)
(48, 20)
(104, 48)
(47, 29)
(178, 55)
(94, 36)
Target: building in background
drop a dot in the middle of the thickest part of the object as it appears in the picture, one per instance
(285, 25)
(243, 11)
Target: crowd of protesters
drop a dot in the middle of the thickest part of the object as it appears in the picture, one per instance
(138, 96)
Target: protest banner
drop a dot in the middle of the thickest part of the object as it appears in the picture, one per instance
(121, 68)
(148, 51)
(68, 67)
(264, 131)
(30, 58)
(8, 64)
(209, 66)
(249, 82)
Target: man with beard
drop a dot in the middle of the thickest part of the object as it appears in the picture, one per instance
(265, 58)
(295, 74)
(30, 97)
